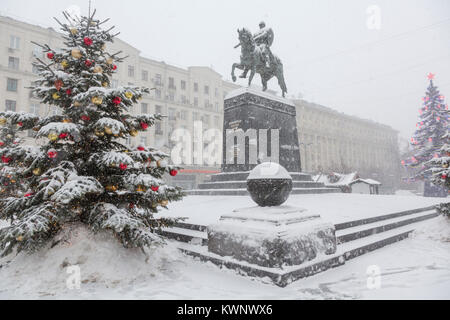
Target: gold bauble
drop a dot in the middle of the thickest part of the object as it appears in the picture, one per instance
(13, 181)
(116, 134)
(56, 96)
(64, 64)
(19, 238)
(73, 31)
(67, 121)
(98, 69)
(99, 133)
(97, 100)
(108, 130)
(164, 202)
(105, 84)
(2, 121)
(103, 47)
(133, 133)
(109, 61)
(111, 187)
(158, 163)
(140, 188)
(445, 165)
(36, 129)
(53, 137)
(77, 104)
(128, 94)
(76, 53)
(37, 171)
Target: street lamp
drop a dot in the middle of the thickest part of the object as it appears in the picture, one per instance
(304, 144)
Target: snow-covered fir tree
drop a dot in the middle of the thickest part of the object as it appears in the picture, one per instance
(431, 134)
(12, 181)
(84, 172)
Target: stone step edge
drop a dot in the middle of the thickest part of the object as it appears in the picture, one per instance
(354, 223)
(281, 278)
(383, 226)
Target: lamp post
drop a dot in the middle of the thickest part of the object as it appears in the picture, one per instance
(304, 144)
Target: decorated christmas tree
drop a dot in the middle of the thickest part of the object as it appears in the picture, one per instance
(84, 172)
(12, 181)
(431, 136)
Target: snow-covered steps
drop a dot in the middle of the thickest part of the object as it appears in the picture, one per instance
(365, 230)
(243, 185)
(191, 236)
(354, 237)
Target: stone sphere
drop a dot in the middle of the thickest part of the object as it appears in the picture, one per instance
(269, 184)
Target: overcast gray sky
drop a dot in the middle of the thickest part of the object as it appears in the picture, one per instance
(329, 53)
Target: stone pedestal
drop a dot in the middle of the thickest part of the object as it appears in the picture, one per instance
(252, 110)
(271, 236)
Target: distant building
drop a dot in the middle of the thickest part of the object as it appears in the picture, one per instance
(331, 141)
(349, 183)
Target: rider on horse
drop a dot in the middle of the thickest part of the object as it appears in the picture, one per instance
(264, 39)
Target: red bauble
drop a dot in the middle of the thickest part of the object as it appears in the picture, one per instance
(68, 92)
(155, 188)
(20, 123)
(28, 194)
(50, 55)
(52, 154)
(6, 159)
(1, 143)
(114, 67)
(88, 41)
(117, 100)
(173, 172)
(141, 148)
(88, 63)
(63, 135)
(144, 125)
(85, 118)
(131, 205)
(444, 176)
(123, 166)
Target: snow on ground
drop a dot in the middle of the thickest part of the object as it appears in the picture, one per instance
(335, 207)
(415, 268)
(409, 193)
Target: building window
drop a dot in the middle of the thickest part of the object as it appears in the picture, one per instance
(114, 83)
(14, 42)
(206, 119)
(184, 115)
(183, 99)
(13, 63)
(144, 75)
(158, 93)
(171, 96)
(172, 114)
(143, 140)
(131, 71)
(206, 89)
(183, 85)
(34, 108)
(216, 92)
(10, 105)
(37, 52)
(195, 87)
(144, 108)
(158, 109)
(171, 83)
(158, 128)
(158, 81)
(195, 102)
(195, 116)
(206, 103)
(11, 84)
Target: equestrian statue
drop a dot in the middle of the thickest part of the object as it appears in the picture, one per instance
(257, 57)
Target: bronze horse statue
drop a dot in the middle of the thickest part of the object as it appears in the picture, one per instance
(252, 60)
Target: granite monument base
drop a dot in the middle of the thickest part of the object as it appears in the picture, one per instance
(271, 236)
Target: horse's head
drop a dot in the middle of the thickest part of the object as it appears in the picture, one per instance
(245, 36)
